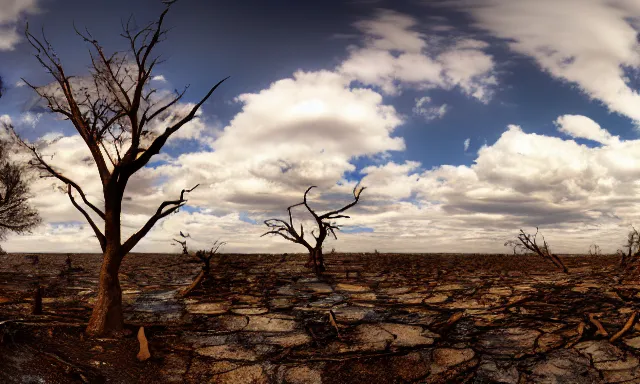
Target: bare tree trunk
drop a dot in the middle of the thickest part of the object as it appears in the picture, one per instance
(207, 266)
(316, 260)
(107, 311)
(556, 260)
(37, 301)
(319, 261)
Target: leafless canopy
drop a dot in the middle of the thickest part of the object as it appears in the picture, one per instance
(121, 118)
(287, 230)
(124, 122)
(529, 242)
(325, 225)
(16, 215)
(205, 256)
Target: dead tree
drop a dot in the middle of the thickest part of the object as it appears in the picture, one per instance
(629, 259)
(124, 122)
(324, 227)
(205, 257)
(16, 215)
(516, 245)
(530, 243)
(594, 250)
(183, 243)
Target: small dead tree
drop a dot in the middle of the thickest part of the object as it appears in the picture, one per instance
(516, 245)
(630, 257)
(183, 243)
(324, 227)
(124, 122)
(594, 250)
(530, 243)
(205, 257)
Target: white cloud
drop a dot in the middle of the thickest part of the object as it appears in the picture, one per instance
(429, 113)
(587, 43)
(576, 194)
(10, 12)
(30, 118)
(583, 127)
(260, 162)
(159, 78)
(395, 55)
(466, 144)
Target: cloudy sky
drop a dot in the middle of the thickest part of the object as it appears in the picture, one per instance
(466, 120)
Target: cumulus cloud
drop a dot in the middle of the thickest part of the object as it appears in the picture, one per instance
(309, 128)
(266, 159)
(10, 13)
(394, 55)
(591, 44)
(429, 113)
(573, 192)
(583, 127)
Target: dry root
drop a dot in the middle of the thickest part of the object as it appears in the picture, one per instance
(601, 331)
(625, 329)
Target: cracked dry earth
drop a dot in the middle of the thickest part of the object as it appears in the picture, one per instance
(369, 319)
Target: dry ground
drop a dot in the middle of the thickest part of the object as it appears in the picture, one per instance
(266, 319)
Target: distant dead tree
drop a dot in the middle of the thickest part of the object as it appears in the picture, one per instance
(16, 215)
(124, 122)
(325, 226)
(594, 250)
(529, 243)
(183, 243)
(630, 258)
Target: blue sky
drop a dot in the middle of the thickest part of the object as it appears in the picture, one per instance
(461, 108)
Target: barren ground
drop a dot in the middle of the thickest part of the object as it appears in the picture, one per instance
(266, 319)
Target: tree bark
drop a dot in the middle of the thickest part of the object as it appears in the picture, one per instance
(316, 261)
(107, 316)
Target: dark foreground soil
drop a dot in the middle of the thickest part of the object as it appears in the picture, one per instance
(369, 319)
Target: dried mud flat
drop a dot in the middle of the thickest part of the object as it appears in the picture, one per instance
(369, 319)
